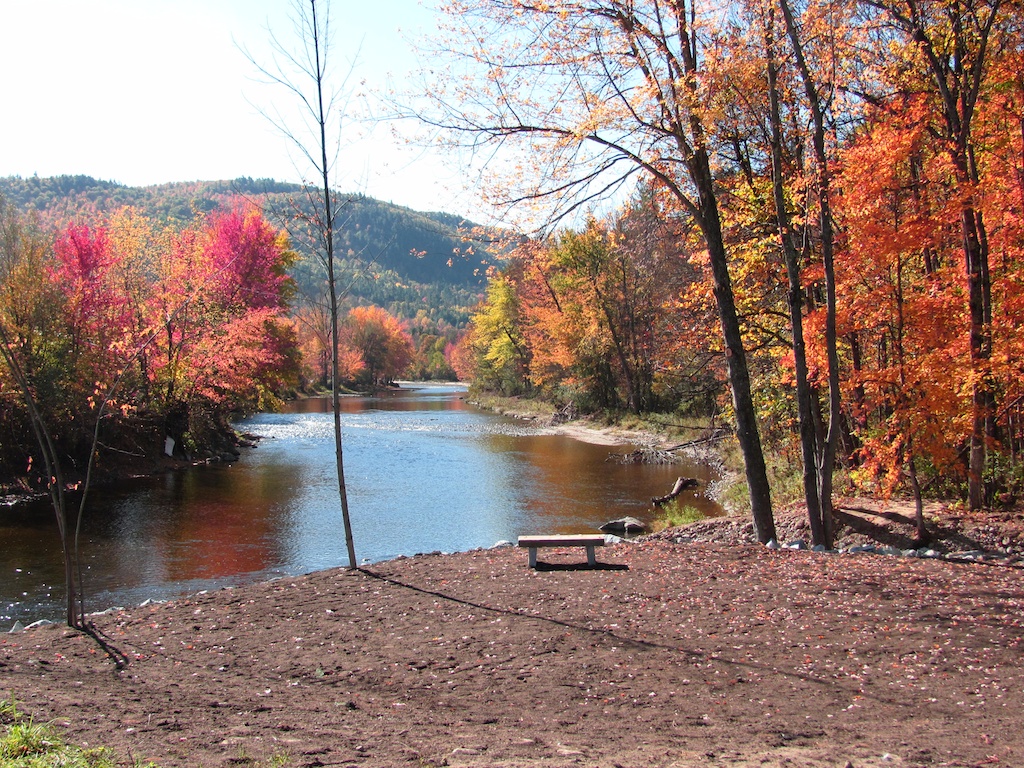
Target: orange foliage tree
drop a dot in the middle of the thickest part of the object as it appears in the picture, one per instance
(944, 62)
(854, 171)
(382, 344)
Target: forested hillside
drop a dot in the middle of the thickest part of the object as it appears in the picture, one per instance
(403, 260)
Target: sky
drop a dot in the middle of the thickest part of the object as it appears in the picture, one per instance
(152, 91)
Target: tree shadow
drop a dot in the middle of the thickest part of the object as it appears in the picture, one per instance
(903, 534)
(522, 614)
(884, 534)
(631, 642)
(106, 645)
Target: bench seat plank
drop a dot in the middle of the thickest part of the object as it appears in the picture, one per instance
(563, 540)
(588, 540)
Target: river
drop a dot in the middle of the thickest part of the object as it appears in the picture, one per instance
(426, 471)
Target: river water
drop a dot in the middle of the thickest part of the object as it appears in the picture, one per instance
(426, 471)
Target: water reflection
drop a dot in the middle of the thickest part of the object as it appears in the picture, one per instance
(426, 471)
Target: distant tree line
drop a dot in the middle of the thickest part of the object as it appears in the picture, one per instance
(425, 269)
(420, 248)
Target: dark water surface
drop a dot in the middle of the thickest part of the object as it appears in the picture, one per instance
(425, 471)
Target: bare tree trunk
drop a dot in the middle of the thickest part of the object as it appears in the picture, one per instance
(804, 392)
(312, 64)
(328, 237)
(827, 448)
(915, 486)
(708, 218)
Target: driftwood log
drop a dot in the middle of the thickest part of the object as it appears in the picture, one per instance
(681, 485)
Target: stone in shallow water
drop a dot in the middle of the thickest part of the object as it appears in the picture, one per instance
(624, 525)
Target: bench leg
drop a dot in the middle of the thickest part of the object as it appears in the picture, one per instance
(533, 557)
(591, 556)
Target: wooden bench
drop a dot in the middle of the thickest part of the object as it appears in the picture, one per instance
(588, 540)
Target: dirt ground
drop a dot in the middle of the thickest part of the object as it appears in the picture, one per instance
(669, 654)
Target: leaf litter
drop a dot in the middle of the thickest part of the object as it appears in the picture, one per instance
(671, 654)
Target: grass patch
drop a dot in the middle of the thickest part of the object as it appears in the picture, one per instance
(26, 744)
(674, 514)
(785, 476)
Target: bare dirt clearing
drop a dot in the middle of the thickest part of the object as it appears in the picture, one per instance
(677, 654)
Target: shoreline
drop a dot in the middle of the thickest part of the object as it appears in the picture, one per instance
(583, 429)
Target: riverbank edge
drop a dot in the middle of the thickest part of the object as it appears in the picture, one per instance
(659, 437)
(150, 467)
(606, 430)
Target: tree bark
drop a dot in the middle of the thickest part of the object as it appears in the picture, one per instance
(328, 236)
(739, 374)
(791, 255)
(826, 448)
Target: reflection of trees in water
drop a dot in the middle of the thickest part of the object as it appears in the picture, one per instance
(431, 473)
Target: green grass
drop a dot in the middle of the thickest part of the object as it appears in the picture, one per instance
(674, 514)
(27, 744)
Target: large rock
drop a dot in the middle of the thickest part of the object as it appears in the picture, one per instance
(624, 525)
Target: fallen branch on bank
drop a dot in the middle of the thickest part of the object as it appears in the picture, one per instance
(681, 485)
(645, 456)
(699, 441)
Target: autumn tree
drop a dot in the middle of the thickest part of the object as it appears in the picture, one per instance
(599, 92)
(800, 57)
(590, 304)
(30, 348)
(219, 301)
(493, 351)
(91, 341)
(383, 345)
(904, 305)
(305, 73)
(949, 45)
(929, 171)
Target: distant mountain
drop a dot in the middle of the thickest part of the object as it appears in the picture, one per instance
(404, 260)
